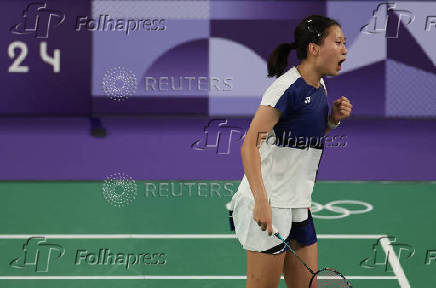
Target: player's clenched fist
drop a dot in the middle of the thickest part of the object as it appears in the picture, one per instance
(341, 109)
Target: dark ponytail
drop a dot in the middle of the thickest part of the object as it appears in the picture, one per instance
(312, 29)
(278, 59)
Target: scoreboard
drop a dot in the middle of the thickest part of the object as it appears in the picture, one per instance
(45, 65)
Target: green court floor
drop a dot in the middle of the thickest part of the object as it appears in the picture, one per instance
(176, 233)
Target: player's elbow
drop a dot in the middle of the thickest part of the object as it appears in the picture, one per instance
(246, 146)
(250, 145)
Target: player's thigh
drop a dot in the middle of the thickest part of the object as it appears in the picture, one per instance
(264, 270)
(296, 275)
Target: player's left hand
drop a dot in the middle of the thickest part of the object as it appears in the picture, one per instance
(341, 109)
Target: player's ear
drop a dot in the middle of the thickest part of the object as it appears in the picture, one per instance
(313, 48)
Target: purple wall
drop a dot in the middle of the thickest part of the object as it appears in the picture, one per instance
(176, 149)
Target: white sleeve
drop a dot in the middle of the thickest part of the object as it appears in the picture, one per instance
(274, 92)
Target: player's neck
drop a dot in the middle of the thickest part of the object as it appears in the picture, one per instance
(309, 75)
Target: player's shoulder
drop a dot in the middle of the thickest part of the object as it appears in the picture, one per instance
(279, 86)
(286, 79)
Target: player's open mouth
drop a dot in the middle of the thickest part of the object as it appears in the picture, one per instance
(340, 64)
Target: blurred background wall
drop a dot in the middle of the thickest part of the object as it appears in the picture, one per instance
(172, 87)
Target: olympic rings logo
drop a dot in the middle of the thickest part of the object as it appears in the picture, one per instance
(334, 206)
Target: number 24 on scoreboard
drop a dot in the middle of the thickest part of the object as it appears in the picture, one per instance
(16, 67)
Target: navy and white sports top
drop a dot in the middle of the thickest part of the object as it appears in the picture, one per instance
(291, 153)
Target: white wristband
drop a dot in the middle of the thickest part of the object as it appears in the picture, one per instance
(332, 126)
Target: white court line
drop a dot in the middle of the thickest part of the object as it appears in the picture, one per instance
(181, 277)
(395, 263)
(170, 236)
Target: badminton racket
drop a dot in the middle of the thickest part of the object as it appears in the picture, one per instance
(330, 277)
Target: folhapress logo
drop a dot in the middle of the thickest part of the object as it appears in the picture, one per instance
(381, 21)
(38, 254)
(38, 19)
(384, 256)
(218, 136)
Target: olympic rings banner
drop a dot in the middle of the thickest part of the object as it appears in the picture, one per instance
(205, 57)
(339, 209)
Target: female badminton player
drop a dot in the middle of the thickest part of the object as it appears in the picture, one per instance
(281, 154)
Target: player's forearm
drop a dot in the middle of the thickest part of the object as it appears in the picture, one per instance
(252, 168)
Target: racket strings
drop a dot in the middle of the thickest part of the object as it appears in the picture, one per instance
(330, 279)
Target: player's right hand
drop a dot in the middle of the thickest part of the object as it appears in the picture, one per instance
(262, 215)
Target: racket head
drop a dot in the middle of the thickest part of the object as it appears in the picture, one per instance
(330, 278)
